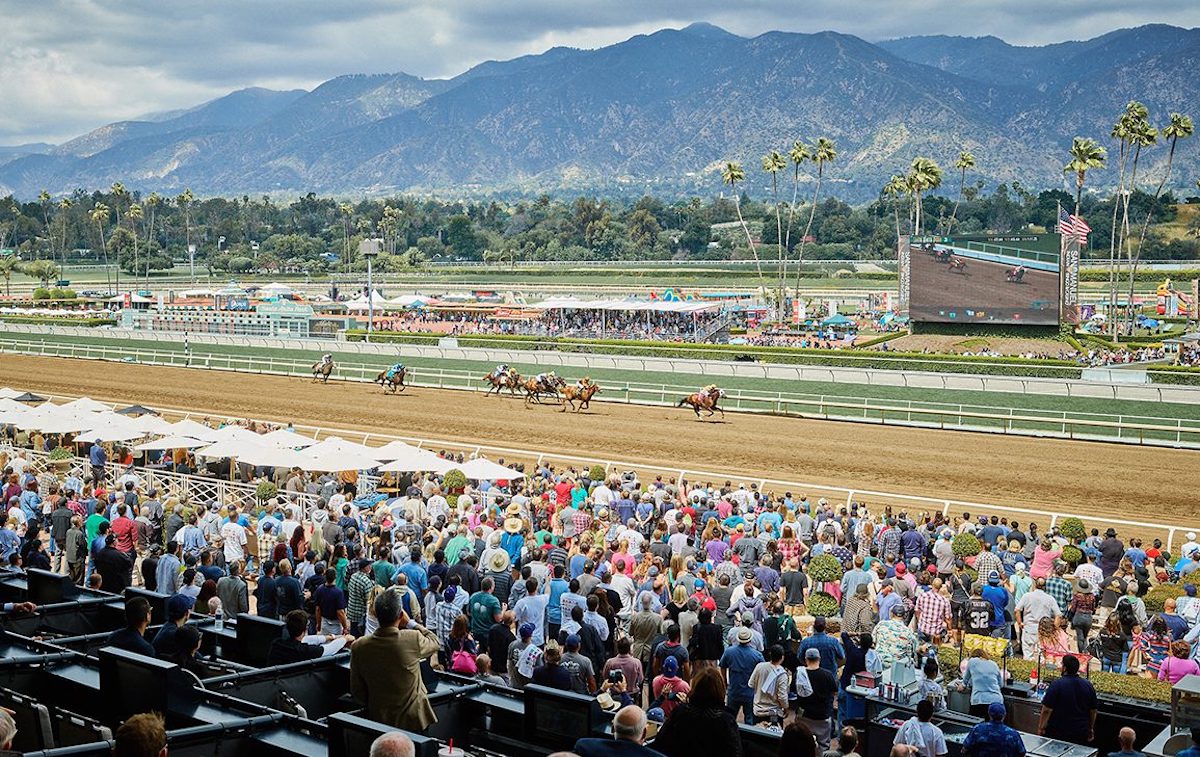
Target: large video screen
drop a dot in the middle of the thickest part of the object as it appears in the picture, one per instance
(957, 281)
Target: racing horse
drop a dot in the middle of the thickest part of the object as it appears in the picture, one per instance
(392, 382)
(510, 380)
(569, 395)
(957, 265)
(535, 388)
(1014, 275)
(705, 399)
(322, 370)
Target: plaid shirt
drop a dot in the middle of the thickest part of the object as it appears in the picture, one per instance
(357, 591)
(1059, 588)
(266, 546)
(582, 521)
(986, 563)
(932, 611)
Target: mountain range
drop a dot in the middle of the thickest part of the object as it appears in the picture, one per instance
(656, 113)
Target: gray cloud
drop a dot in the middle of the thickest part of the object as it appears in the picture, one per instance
(67, 66)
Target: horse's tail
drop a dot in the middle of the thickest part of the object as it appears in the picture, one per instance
(683, 402)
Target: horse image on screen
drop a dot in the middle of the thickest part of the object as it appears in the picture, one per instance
(956, 281)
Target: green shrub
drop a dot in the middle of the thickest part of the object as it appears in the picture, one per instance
(1157, 597)
(61, 453)
(454, 480)
(596, 473)
(41, 293)
(1073, 529)
(1072, 555)
(822, 605)
(966, 545)
(265, 491)
(825, 568)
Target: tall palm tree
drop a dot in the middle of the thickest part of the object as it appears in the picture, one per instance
(1142, 136)
(965, 160)
(119, 195)
(134, 214)
(924, 174)
(346, 211)
(8, 264)
(894, 188)
(773, 163)
(153, 202)
(731, 173)
(1085, 155)
(99, 215)
(184, 203)
(64, 208)
(44, 200)
(824, 151)
(798, 155)
(1179, 127)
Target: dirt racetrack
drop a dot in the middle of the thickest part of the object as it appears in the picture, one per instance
(1094, 479)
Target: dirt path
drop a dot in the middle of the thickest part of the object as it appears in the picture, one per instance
(1135, 483)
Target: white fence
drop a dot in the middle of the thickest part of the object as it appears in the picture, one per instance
(1144, 430)
(203, 487)
(703, 371)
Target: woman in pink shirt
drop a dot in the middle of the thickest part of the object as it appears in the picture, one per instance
(1178, 664)
(1043, 559)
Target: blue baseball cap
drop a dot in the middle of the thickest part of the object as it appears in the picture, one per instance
(996, 711)
(670, 666)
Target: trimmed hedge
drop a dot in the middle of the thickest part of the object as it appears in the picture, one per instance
(824, 568)
(64, 321)
(1156, 598)
(822, 605)
(1073, 529)
(974, 365)
(1178, 375)
(966, 545)
(1101, 274)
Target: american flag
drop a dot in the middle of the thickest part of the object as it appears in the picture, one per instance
(1072, 227)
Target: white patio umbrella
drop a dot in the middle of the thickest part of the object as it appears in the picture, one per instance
(331, 460)
(63, 424)
(154, 424)
(277, 457)
(172, 442)
(86, 404)
(336, 444)
(47, 415)
(285, 438)
(233, 433)
(112, 433)
(191, 428)
(7, 393)
(416, 459)
(231, 448)
(482, 469)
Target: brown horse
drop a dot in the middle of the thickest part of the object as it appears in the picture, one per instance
(322, 371)
(704, 400)
(393, 383)
(534, 389)
(510, 381)
(572, 394)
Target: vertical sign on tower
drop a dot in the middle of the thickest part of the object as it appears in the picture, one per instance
(1070, 278)
(903, 271)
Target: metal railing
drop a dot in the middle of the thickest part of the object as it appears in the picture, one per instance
(1132, 429)
(876, 500)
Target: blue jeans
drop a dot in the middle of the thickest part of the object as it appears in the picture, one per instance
(1109, 666)
(747, 709)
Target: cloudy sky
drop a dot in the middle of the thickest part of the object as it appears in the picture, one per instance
(67, 66)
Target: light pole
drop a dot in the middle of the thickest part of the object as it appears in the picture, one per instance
(369, 248)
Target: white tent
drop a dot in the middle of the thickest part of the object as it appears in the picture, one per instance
(275, 288)
(410, 300)
(377, 300)
(113, 433)
(482, 469)
(54, 419)
(172, 442)
(190, 428)
(277, 457)
(234, 448)
(338, 445)
(285, 438)
(234, 433)
(198, 293)
(133, 299)
(86, 404)
(153, 424)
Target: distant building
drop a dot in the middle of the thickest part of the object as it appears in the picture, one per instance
(280, 318)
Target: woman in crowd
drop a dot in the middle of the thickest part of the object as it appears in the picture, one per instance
(701, 725)
(461, 648)
(1178, 664)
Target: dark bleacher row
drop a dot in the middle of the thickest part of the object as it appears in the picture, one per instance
(69, 692)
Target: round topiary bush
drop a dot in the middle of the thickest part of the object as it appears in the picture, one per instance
(1072, 555)
(454, 480)
(1073, 529)
(822, 605)
(825, 568)
(966, 545)
(61, 453)
(596, 473)
(265, 491)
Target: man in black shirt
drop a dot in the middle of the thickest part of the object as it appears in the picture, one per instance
(132, 638)
(113, 566)
(293, 648)
(264, 593)
(818, 706)
(289, 595)
(977, 615)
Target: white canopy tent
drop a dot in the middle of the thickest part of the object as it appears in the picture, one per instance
(86, 404)
(410, 301)
(154, 424)
(188, 427)
(275, 288)
(336, 454)
(285, 438)
(656, 306)
(111, 433)
(482, 469)
(377, 301)
(233, 448)
(234, 433)
(407, 458)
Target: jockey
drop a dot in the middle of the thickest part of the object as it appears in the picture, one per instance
(710, 389)
(394, 370)
(501, 371)
(326, 359)
(582, 383)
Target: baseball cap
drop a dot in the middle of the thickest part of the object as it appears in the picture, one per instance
(526, 631)
(812, 654)
(994, 577)
(178, 605)
(573, 641)
(698, 583)
(670, 666)
(996, 711)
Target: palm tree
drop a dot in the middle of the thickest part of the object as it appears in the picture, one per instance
(773, 163)
(895, 187)
(799, 153)
(346, 211)
(965, 160)
(924, 174)
(184, 202)
(731, 173)
(8, 264)
(1179, 127)
(64, 207)
(824, 151)
(1085, 155)
(99, 215)
(154, 202)
(1142, 135)
(119, 193)
(44, 199)
(134, 214)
